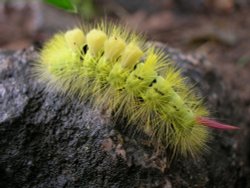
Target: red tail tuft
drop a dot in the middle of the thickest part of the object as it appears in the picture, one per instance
(214, 124)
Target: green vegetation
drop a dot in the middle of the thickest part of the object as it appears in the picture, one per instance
(83, 7)
(63, 4)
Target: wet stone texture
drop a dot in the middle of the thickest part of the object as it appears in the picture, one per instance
(53, 141)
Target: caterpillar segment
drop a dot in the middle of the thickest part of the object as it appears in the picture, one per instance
(114, 69)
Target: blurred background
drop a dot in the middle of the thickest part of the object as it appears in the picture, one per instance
(216, 29)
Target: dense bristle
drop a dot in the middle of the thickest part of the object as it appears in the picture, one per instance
(113, 68)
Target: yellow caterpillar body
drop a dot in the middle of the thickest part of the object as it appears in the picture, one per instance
(114, 69)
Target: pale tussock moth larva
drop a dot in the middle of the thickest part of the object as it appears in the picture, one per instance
(115, 69)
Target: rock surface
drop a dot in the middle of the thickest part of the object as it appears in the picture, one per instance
(49, 140)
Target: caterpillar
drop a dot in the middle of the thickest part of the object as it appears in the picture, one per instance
(115, 69)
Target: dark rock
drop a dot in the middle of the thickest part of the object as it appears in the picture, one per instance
(49, 140)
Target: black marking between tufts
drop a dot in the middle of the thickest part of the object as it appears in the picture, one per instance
(176, 109)
(135, 66)
(118, 58)
(138, 77)
(153, 82)
(158, 91)
(85, 48)
(102, 53)
(140, 99)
